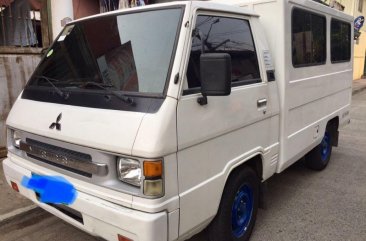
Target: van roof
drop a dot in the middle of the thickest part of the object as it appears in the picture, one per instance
(196, 4)
(231, 6)
(309, 4)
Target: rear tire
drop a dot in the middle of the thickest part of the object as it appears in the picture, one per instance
(237, 212)
(318, 158)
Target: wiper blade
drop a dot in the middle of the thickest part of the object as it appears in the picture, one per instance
(62, 94)
(96, 84)
(126, 99)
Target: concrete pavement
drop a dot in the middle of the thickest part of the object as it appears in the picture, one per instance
(11, 203)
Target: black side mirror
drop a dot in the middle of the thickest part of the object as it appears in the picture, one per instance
(215, 71)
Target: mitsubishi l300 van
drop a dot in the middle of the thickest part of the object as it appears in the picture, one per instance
(167, 119)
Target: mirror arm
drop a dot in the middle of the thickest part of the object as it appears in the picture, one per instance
(202, 100)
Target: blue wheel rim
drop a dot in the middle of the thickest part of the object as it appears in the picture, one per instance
(242, 211)
(325, 147)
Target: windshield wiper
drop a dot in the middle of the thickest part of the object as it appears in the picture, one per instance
(62, 94)
(126, 99)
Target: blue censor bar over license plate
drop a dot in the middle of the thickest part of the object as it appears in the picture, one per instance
(51, 189)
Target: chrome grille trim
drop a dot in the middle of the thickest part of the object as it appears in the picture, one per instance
(64, 157)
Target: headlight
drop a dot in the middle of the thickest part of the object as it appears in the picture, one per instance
(129, 171)
(15, 138)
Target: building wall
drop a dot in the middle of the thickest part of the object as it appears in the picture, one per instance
(17, 63)
(84, 8)
(359, 56)
(15, 70)
(360, 44)
(351, 8)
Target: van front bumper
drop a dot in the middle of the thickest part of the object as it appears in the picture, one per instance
(97, 216)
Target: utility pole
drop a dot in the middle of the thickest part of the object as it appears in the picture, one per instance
(61, 12)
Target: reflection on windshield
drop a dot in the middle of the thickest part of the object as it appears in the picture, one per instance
(118, 68)
(130, 53)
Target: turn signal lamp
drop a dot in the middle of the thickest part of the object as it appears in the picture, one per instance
(153, 183)
(153, 188)
(153, 169)
(145, 174)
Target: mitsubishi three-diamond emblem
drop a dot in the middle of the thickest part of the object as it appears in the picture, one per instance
(57, 124)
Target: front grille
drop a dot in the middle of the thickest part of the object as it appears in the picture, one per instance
(85, 174)
(62, 151)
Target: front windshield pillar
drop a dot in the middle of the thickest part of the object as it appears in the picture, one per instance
(181, 54)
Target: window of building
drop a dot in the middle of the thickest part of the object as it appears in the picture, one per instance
(308, 38)
(23, 24)
(360, 5)
(340, 41)
(215, 34)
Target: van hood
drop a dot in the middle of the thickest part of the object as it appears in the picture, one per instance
(109, 130)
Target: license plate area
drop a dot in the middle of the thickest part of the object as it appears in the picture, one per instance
(72, 213)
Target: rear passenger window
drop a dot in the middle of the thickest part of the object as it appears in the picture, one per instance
(340, 41)
(308, 38)
(214, 34)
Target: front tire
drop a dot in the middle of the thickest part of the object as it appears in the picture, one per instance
(237, 212)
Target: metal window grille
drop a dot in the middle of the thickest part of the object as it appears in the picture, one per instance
(108, 5)
(20, 24)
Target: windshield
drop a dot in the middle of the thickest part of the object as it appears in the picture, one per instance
(129, 53)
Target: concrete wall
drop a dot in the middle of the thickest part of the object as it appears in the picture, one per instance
(59, 11)
(15, 70)
(359, 56)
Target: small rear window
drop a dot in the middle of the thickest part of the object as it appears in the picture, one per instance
(308, 38)
(340, 41)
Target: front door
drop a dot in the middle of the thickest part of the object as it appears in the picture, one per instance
(214, 136)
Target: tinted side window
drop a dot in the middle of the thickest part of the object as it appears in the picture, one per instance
(340, 41)
(308, 38)
(224, 35)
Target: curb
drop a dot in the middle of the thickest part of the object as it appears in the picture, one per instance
(8, 217)
(356, 91)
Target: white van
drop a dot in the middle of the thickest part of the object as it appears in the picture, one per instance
(168, 118)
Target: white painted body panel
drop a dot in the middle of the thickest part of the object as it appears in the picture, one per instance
(101, 218)
(215, 138)
(200, 145)
(309, 96)
(108, 130)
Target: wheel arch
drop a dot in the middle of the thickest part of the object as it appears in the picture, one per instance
(334, 122)
(333, 125)
(255, 162)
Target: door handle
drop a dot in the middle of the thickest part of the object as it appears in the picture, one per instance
(262, 103)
